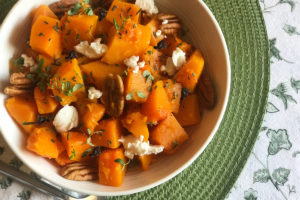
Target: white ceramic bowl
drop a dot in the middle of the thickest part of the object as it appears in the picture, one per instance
(204, 33)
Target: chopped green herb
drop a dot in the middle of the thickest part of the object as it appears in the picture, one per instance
(58, 98)
(149, 52)
(114, 7)
(129, 96)
(141, 94)
(119, 160)
(77, 36)
(88, 11)
(151, 124)
(175, 96)
(134, 26)
(40, 119)
(125, 72)
(175, 144)
(75, 10)
(68, 134)
(138, 11)
(56, 61)
(52, 140)
(18, 63)
(56, 27)
(96, 152)
(108, 143)
(88, 141)
(89, 131)
(69, 32)
(41, 34)
(73, 154)
(85, 153)
(46, 22)
(193, 74)
(148, 76)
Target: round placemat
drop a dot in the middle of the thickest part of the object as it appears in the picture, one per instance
(214, 173)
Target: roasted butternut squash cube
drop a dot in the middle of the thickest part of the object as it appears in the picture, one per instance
(111, 164)
(135, 122)
(67, 84)
(154, 59)
(146, 160)
(78, 28)
(137, 87)
(76, 145)
(157, 107)
(174, 94)
(90, 114)
(45, 101)
(131, 40)
(48, 65)
(42, 141)
(108, 133)
(189, 74)
(155, 24)
(22, 109)
(189, 111)
(172, 42)
(95, 72)
(120, 11)
(63, 159)
(45, 36)
(42, 10)
(169, 134)
(103, 27)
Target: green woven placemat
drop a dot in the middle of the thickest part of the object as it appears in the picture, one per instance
(213, 174)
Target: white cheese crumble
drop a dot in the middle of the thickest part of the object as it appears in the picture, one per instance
(165, 21)
(133, 63)
(66, 119)
(134, 146)
(147, 5)
(29, 62)
(174, 63)
(94, 93)
(93, 51)
(178, 58)
(158, 33)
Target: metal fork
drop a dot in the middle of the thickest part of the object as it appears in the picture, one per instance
(44, 187)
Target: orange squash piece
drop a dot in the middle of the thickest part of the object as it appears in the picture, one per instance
(43, 10)
(102, 27)
(91, 114)
(95, 72)
(174, 94)
(67, 84)
(63, 159)
(108, 133)
(111, 171)
(172, 42)
(75, 144)
(48, 65)
(78, 28)
(189, 74)
(189, 111)
(133, 39)
(169, 134)
(154, 59)
(146, 160)
(42, 141)
(157, 107)
(155, 24)
(45, 101)
(121, 11)
(45, 36)
(137, 87)
(135, 122)
(22, 109)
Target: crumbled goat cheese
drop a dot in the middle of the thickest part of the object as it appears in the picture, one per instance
(135, 146)
(174, 63)
(147, 5)
(94, 93)
(93, 51)
(66, 119)
(158, 33)
(178, 58)
(165, 21)
(29, 62)
(133, 63)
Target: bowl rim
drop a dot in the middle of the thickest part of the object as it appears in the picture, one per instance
(181, 168)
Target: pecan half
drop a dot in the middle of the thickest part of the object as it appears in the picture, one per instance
(79, 171)
(113, 95)
(14, 91)
(19, 78)
(62, 6)
(206, 90)
(172, 25)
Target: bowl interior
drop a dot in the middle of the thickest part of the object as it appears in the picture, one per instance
(203, 32)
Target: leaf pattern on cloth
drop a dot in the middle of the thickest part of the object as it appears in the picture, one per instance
(274, 51)
(278, 140)
(261, 176)
(280, 92)
(295, 84)
(250, 194)
(280, 175)
(16, 162)
(5, 182)
(291, 30)
(266, 9)
(24, 195)
(271, 108)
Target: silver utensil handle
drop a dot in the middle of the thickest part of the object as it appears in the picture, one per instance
(37, 184)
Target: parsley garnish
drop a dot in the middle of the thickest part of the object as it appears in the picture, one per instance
(113, 8)
(41, 34)
(75, 10)
(46, 22)
(56, 27)
(73, 154)
(108, 143)
(58, 98)
(149, 52)
(86, 152)
(141, 94)
(193, 74)
(148, 76)
(88, 11)
(18, 63)
(175, 144)
(52, 140)
(119, 160)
